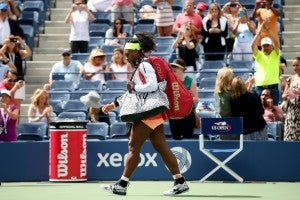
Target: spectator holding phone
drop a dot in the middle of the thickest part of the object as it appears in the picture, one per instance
(79, 17)
(272, 112)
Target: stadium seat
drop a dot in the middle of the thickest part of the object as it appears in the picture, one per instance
(145, 27)
(78, 93)
(212, 64)
(62, 85)
(36, 6)
(274, 130)
(207, 83)
(61, 95)
(30, 18)
(97, 130)
(89, 85)
(72, 115)
(109, 48)
(108, 96)
(116, 85)
(29, 34)
(222, 126)
(82, 57)
(206, 93)
(241, 64)
(74, 106)
(96, 42)
(127, 28)
(167, 130)
(118, 130)
(164, 48)
(36, 131)
(103, 18)
(164, 40)
(97, 29)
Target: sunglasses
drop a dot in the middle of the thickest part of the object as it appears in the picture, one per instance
(118, 23)
(12, 80)
(214, 9)
(65, 54)
(296, 65)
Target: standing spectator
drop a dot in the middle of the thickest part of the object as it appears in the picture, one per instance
(119, 65)
(244, 31)
(248, 105)
(291, 95)
(115, 35)
(186, 45)
(223, 91)
(266, 13)
(5, 64)
(150, 128)
(8, 118)
(99, 5)
(164, 18)
(79, 17)
(266, 62)
(231, 11)
(124, 7)
(16, 55)
(71, 69)
(8, 26)
(272, 112)
(215, 30)
(96, 65)
(200, 9)
(40, 109)
(184, 128)
(14, 10)
(188, 17)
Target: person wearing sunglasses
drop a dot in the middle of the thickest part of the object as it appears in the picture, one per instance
(116, 34)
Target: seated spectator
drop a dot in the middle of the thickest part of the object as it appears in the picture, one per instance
(99, 5)
(272, 113)
(40, 110)
(248, 105)
(186, 45)
(119, 65)
(92, 101)
(8, 118)
(96, 65)
(5, 64)
(16, 55)
(71, 69)
(115, 35)
(11, 26)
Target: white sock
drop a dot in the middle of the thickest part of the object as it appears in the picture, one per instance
(124, 178)
(176, 176)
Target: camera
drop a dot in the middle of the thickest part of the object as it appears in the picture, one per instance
(242, 13)
(232, 4)
(13, 39)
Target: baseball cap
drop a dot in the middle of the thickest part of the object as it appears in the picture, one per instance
(266, 40)
(3, 6)
(4, 91)
(65, 51)
(201, 6)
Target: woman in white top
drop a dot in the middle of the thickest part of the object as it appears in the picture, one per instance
(115, 35)
(79, 17)
(96, 65)
(120, 66)
(244, 31)
(40, 109)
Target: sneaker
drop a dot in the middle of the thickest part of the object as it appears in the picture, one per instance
(177, 189)
(115, 189)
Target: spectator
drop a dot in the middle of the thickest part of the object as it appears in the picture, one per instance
(188, 17)
(186, 45)
(119, 65)
(266, 63)
(272, 113)
(215, 30)
(164, 18)
(40, 109)
(14, 10)
(266, 13)
(231, 11)
(71, 69)
(79, 17)
(99, 5)
(223, 91)
(282, 66)
(115, 35)
(5, 64)
(291, 95)
(248, 105)
(96, 65)
(200, 9)
(16, 55)
(8, 118)
(184, 128)
(244, 31)
(124, 7)
(8, 25)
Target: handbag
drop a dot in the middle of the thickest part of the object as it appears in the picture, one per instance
(136, 106)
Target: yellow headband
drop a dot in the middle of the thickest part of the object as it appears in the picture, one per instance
(132, 46)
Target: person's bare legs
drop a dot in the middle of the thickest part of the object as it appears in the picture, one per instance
(164, 31)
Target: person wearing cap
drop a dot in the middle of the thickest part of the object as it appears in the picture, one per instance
(9, 115)
(95, 66)
(267, 62)
(151, 128)
(184, 128)
(9, 26)
(70, 69)
(79, 17)
(14, 10)
(200, 9)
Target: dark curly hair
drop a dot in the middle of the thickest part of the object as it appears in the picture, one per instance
(146, 41)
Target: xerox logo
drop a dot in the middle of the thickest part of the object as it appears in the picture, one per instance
(221, 126)
(118, 160)
(183, 157)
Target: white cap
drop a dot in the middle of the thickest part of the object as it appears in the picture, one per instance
(4, 91)
(266, 40)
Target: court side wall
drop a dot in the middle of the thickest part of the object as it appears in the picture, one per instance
(259, 161)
